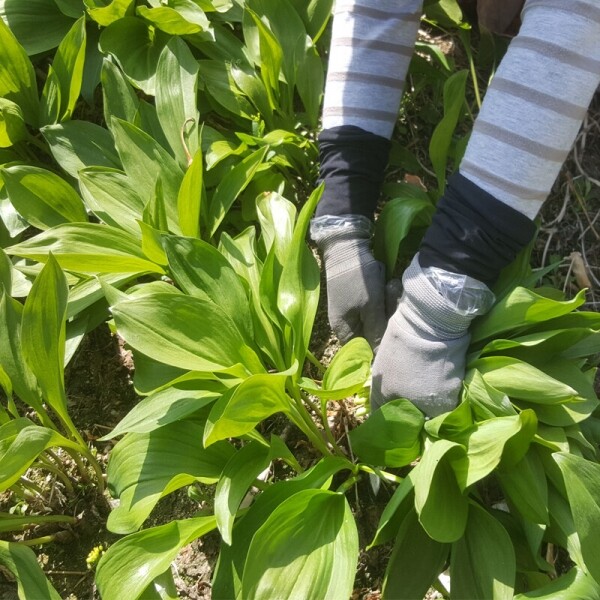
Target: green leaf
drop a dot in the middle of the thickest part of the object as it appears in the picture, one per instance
(521, 380)
(112, 197)
(41, 197)
(119, 99)
(189, 21)
(574, 584)
(298, 293)
(501, 438)
(12, 124)
(454, 425)
(136, 47)
(141, 154)
(398, 217)
(176, 76)
(520, 309)
(43, 335)
(24, 20)
(238, 411)
(487, 401)
(307, 548)
(200, 270)
(443, 508)
(51, 101)
(22, 563)
(105, 13)
(162, 408)
(391, 436)
(237, 477)
(67, 67)
(17, 78)
(270, 56)
(144, 467)
(315, 14)
(79, 144)
(526, 488)
(231, 186)
(87, 248)
(21, 442)
(184, 332)
(582, 482)
(483, 560)
(131, 564)
(228, 576)
(190, 197)
(441, 140)
(415, 563)
(349, 368)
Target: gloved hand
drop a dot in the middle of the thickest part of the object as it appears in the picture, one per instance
(422, 354)
(355, 280)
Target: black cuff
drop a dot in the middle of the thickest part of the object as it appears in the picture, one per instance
(473, 233)
(353, 163)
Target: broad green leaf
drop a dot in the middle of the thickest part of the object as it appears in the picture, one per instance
(483, 560)
(395, 512)
(112, 197)
(523, 381)
(487, 401)
(79, 144)
(184, 17)
(201, 270)
(176, 75)
(22, 563)
(276, 216)
(315, 14)
(568, 373)
(231, 186)
(237, 477)
(526, 487)
(183, 331)
(42, 198)
(67, 66)
(12, 124)
(144, 467)
(310, 82)
(445, 12)
(441, 140)
(298, 293)
(520, 309)
(87, 248)
(50, 104)
(162, 408)
(391, 436)
(574, 584)
(270, 54)
(17, 77)
(349, 368)
(582, 482)
(501, 438)
(24, 20)
(443, 508)
(142, 155)
(415, 563)
(190, 197)
(454, 425)
(21, 442)
(105, 13)
(229, 570)
(238, 411)
(43, 335)
(394, 224)
(307, 548)
(119, 99)
(131, 564)
(136, 47)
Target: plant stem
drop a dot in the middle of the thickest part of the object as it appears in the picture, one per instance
(466, 40)
(383, 474)
(45, 539)
(315, 361)
(45, 464)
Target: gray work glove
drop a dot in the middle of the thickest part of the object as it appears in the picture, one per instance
(423, 352)
(355, 280)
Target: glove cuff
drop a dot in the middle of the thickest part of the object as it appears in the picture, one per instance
(442, 303)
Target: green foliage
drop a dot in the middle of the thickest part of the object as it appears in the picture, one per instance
(179, 213)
